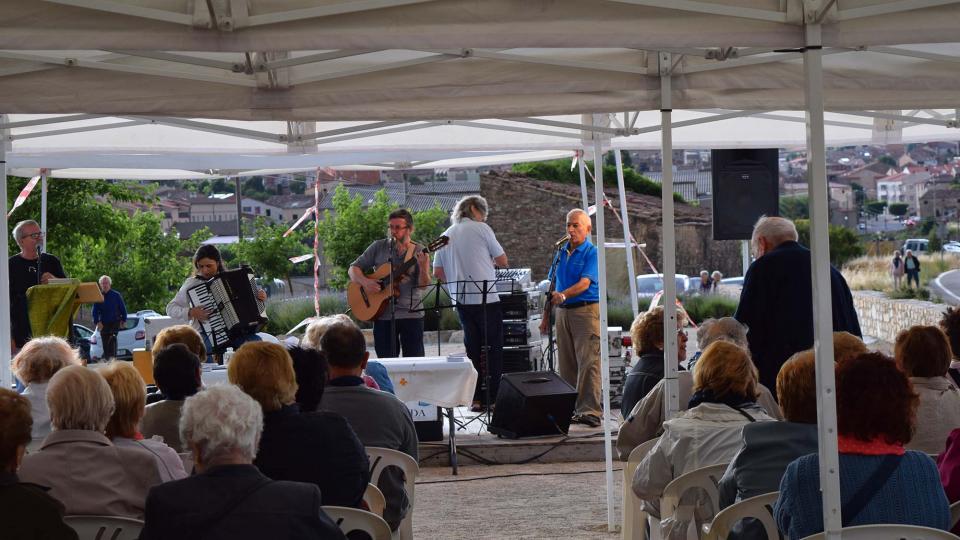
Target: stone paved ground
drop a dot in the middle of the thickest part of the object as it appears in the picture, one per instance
(535, 501)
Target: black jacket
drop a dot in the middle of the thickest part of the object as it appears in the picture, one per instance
(776, 304)
(646, 373)
(27, 512)
(320, 448)
(236, 502)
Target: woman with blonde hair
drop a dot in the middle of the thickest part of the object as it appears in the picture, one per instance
(708, 433)
(83, 468)
(129, 397)
(34, 365)
(318, 448)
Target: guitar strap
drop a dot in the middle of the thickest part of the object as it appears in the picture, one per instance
(411, 249)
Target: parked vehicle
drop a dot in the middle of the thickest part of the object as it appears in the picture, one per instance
(131, 337)
(272, 286)
(649, 285)
(738, 281)
(81, 340)
(916, 245)
(952, 247)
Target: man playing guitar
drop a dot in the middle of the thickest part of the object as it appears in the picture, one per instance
(397, 329)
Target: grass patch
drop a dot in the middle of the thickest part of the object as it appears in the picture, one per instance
(282, 316)
(710, 306)
(872, 273)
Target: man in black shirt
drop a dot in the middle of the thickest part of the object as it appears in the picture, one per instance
(28, 268)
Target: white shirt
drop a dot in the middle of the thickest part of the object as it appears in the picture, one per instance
(36, 393)
(468, 259)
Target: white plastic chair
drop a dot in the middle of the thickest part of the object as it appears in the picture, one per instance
(385, 457)
(354, 519)
(889, 532)
(759, 508)
(105, 527)
(634, 523)
(374, 499)
(704, 478)
(954, 514)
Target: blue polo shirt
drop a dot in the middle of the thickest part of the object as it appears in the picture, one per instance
(582, 263)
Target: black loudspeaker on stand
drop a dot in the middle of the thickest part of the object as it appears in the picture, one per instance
(532, 404)
(745, 187)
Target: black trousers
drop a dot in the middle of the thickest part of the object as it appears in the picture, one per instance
(109, 336)
(472, 319)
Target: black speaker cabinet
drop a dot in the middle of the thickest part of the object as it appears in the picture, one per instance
(745, 187)
(532, 404)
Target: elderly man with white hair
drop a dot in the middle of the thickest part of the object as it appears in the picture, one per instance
(776, 302)
(109, 316)
(228, 498)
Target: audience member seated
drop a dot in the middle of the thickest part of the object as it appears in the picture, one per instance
(948, 463)
(82, 468)
(950, 324)
(36, 362)
(646, 332)
(645, 420)
(880, 481)
(176, 370)
(311, 371)
(228, 498)
(768, 447)
(379, 418)
(26, 511)
(318, 448)
(923, 353)
(129, 397)
(708, 433)
(374, 374)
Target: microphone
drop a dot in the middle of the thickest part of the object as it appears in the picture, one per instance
(39, 258)
(560, 242)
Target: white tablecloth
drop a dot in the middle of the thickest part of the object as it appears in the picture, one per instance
(432, 379)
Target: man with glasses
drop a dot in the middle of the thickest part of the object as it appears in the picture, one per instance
(28, 268)
(398, 328)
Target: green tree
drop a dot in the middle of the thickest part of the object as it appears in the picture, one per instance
(859, 195)
(875, 207)
(844, 243)
(559, 171)
(429, 224)
(887, 160)
(268, 253)
(935, 244)
(297, 187)
(898, 209)
(795, 207)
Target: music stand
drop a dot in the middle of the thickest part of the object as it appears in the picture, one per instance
(435, 290)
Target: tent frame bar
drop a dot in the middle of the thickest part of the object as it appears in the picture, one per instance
(711, 9)
(340, 8)
(122, 8)
(890, 8)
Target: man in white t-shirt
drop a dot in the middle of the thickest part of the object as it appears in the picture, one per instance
(468, 264)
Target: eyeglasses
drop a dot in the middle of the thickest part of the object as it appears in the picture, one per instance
(35, 236)
(397, 227)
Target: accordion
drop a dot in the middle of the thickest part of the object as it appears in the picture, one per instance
(230, 298)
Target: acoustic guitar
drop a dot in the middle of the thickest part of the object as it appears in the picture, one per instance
(368, 305)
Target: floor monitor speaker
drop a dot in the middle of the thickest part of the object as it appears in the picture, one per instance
(745, 187)
(532, 404)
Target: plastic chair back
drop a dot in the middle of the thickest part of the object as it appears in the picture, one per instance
(105, 527)
(353, 519)
(385, 457)
(954, 513)
(374, 499)
(889, 532)
(634, 523)
(704, 478)
(759, 508)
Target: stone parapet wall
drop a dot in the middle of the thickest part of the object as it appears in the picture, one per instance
(883, 318)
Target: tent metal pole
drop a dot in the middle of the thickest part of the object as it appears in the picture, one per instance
(43, 207)
(604, 344)
(745, 255)
(820, 271)
(671, 401)
(627, 237)
(239, 209)
(6, 377)
(584, 200)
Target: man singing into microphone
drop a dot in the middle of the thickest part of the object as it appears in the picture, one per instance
(406, 326)
(468, 262)
(28, 268)
(578, 317)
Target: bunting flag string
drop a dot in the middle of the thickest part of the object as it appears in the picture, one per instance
(299, 222)
(24, 193)
(300, 258)
(316, 243)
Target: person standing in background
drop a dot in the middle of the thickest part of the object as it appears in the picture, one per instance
(109, 316)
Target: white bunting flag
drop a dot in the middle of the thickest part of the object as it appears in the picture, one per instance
(24, 193)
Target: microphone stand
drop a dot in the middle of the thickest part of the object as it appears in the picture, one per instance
(548, 304)
(39, 257)
(394, 290)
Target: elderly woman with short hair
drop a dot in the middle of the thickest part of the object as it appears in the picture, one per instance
(129, 397)
(708, 433)
(645, 420)
(176, 369)
(880, 481)
(82, 468)
(648, 339)
(26, 510)
(34, 365)
(923, 354)
(320, 448)
(229, 497)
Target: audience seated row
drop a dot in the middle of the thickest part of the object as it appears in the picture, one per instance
(34, 365)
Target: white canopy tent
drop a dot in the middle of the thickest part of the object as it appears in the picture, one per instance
(415, 65)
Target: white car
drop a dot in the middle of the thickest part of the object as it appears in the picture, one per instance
(952, 247)
(649, 285)
(131, 337)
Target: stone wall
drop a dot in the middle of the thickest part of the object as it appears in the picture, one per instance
(528, 218)
(883, 318)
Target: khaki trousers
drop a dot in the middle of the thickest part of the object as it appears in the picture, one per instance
(578, 351)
